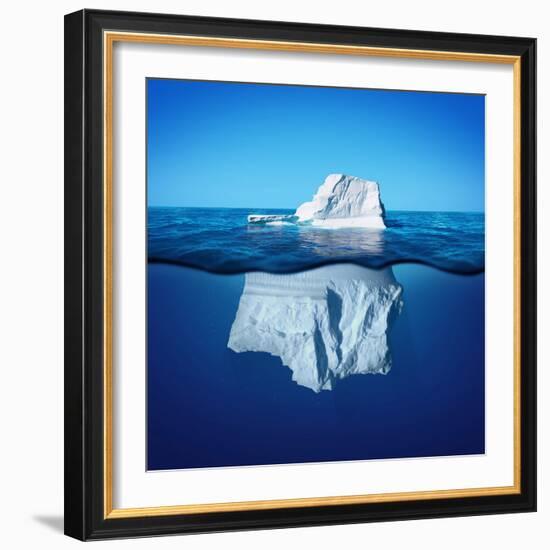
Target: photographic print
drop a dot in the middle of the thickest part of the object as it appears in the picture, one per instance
(315, 277)
(300, 274)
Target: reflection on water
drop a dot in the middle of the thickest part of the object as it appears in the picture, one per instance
(320, 241)
(343, 242)
(325, 324)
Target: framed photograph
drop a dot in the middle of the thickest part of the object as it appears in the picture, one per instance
(300, 274)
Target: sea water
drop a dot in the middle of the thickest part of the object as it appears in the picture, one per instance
(209, 406)
(220, 240)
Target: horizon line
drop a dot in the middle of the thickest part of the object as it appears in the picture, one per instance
(294, 208)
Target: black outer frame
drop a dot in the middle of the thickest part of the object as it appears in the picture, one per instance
(84, 517)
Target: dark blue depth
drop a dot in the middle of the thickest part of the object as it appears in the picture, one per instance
(219, 240)
(209, 406)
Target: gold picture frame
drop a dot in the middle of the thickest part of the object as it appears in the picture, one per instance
(102, 31)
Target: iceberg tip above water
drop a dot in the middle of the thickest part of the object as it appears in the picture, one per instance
(344, 201)
(341, 201)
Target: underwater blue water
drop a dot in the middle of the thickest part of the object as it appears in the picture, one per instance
(209, 406)
(220, 240)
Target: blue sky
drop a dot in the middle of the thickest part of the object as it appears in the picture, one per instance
(217, 144)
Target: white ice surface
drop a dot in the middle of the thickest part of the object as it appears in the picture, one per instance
(341, 201)
(324, 324)
(344, 201)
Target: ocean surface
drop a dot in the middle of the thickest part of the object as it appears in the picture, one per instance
(220, 240)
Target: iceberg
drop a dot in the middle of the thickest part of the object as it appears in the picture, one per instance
(341, 201)
(344, 201)
(325, 324)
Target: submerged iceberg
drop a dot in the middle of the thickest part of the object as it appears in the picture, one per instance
(341, 201)
(324, 324)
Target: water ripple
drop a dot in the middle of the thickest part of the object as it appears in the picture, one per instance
(219, 240)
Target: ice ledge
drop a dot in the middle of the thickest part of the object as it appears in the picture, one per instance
(271, 218)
